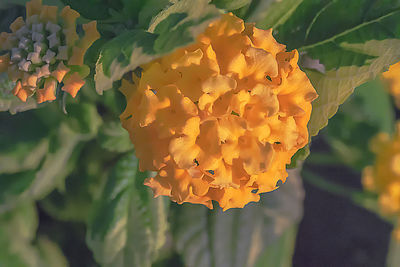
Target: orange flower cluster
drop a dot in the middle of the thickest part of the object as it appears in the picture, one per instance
(392, 76)
(219, 119)
(384, 177)
(45, 50)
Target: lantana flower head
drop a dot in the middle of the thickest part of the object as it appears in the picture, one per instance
(392, 76)
(44, 50)
(384, 176)
(219, 119)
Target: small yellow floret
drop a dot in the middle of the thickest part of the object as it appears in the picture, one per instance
(392, 76)
(384, 176)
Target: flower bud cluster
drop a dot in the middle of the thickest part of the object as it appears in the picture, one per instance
(219, 119)
(44, 50)
(392, 77)
(383, 177)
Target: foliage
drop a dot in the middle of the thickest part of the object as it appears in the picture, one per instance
(71, 163)
(237, 237)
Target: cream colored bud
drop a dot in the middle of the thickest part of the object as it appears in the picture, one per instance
(52, 28)
(37, 37)
(62, 53)
(34, 57)
(37, 27)
(15, 54)
(24, 65)
(53, 40)
(49, 56)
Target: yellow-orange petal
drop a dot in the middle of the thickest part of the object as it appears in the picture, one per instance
(33, 7)
(48, 92)
(4, 62)
(21, 92)
(29, 80)
(72, 84)
(184, 149)
(69, 17)
(264, 39)
(60, 72)
(70, 36)
(48, 13)
(22, 95)
(91, 35)
(17, 24)
(4, 41)
(77, 56)
(17, 88)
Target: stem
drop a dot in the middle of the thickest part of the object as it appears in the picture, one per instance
(317, 158)
(330, 187)
(363, 199)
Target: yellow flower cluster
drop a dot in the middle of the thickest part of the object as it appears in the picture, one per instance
(384, 176)
(45, 50)
(392, 76)
(219, 119)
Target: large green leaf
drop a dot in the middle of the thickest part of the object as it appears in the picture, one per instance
(368, 111)
(30, 175)
(91, 9)
(82, 186)
(128, 226)
(26, 156)
(35, 184)
(362, 40)
(272, 13)
(230, 4)
(237, 237)
(279, 254)
(175, 26)
(114, 138)
(150, 9)
(393, 256)
(17, 233)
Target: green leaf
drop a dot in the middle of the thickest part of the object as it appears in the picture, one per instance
(230, 4)
(17, 233)
(83, 118)
(25, 156)
(393, 256)
(6, 3)
(115, 101)
(335, 86)
(54, 167)
(175, 26)
(82, 186)
(114, 138)
(362, 40)
(38, 149)
(149, 10)
(237, 237)
(128, 226)
(13, 186)
(280, 253)
(376, 105)
(298, 157)
(50, 253)
(90, 9)
(368, 111)
(272, 13)
(17, 230)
